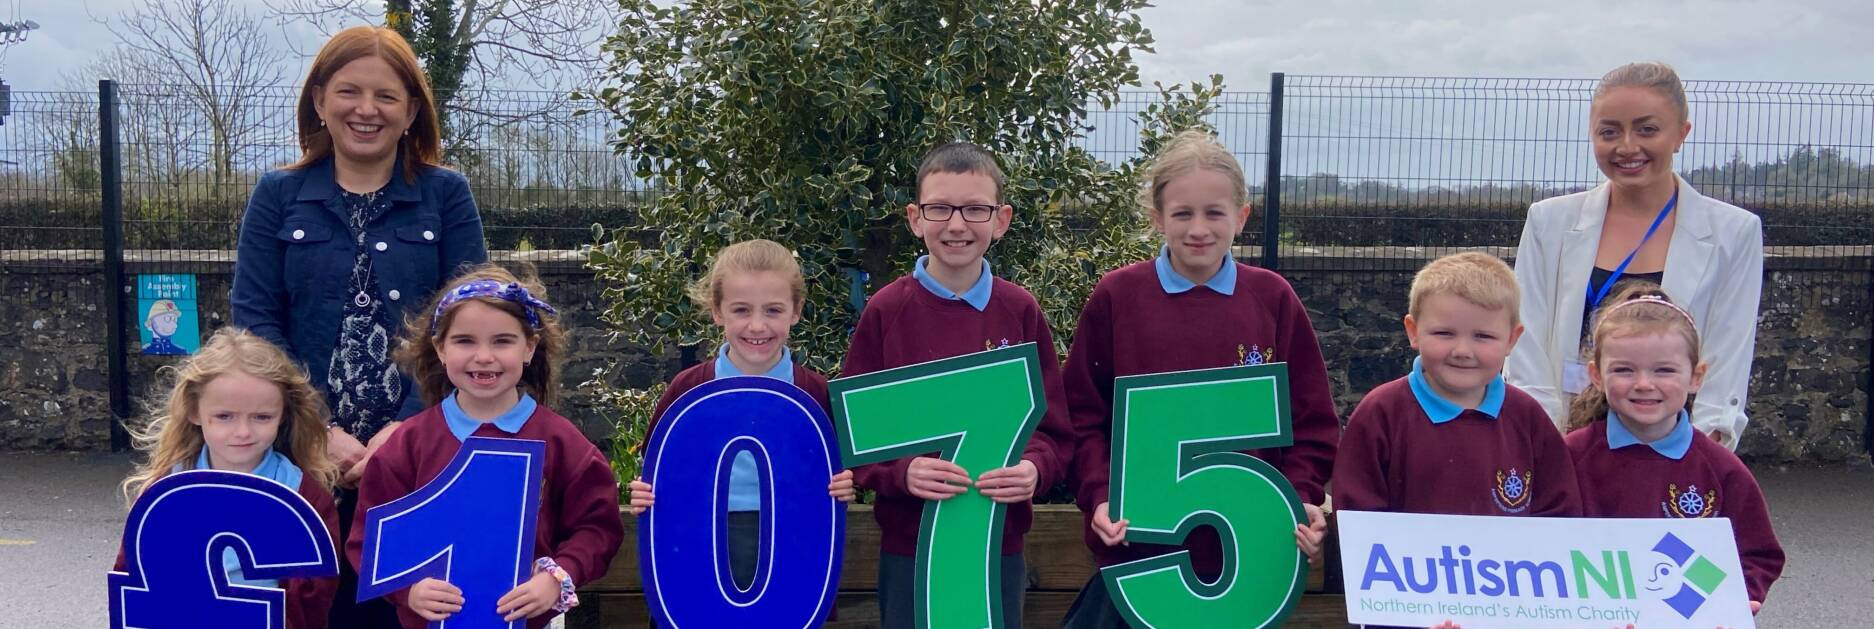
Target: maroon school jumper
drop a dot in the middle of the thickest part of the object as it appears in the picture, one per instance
(308, 601)
(1131, 326)
(904, 324)
(806, 379)
(1394, 458)
(579, 524)
(1638, 482)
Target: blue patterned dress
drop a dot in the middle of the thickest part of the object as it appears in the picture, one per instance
(366, 384)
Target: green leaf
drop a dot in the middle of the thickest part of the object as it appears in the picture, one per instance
(804, 122)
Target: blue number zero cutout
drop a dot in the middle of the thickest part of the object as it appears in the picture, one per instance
(173, 549)
(683, 541)
(472, 526)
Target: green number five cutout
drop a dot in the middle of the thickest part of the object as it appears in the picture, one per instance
(975, 410)
(1178, 465)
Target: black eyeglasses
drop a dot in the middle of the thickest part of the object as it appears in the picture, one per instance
(940, 212)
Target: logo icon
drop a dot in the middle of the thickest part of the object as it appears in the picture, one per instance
(1699, 577)
(1512, 491)
(1252, 356)
(1690, 503)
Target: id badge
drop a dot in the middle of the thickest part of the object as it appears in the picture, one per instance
(1574, 376)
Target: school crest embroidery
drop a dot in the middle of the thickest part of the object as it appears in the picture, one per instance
(989, 345)
(1251, 356)
(1512, 491)
(1689, 503)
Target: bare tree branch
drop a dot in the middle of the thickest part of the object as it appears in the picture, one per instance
(214, 65)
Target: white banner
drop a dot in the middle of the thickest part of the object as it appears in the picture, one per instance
(1486, 572)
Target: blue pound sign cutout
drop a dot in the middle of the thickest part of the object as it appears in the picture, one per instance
(472, 526)
(175, 538)
(683, 541)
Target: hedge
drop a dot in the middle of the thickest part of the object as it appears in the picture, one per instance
(72, 223)
(214, 224)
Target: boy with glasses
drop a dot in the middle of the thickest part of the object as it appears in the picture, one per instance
(951, 305)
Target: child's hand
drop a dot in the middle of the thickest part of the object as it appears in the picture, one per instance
(641, 497)
(435, 600)
(1446, 625)
(935, 479)
(530, 599)
(1009, 485)
(841, 487)
(1309, 536)
(1110, 532)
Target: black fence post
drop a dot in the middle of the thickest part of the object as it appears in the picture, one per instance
(1867, 433)
(110, 169)
(1272, 182)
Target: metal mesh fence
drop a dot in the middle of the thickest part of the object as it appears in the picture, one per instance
(49, 182)
(1241, 120)
(1424, 166)
(1378, 173)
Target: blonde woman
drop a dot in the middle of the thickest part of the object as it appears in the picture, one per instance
(1646, 223)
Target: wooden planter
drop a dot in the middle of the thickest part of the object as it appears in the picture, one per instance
(1058, 565)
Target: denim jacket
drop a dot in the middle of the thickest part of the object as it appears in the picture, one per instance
(295, 257)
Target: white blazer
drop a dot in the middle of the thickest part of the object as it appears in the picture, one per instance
(1714, 269)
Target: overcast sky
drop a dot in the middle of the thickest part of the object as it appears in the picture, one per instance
(1245, 40)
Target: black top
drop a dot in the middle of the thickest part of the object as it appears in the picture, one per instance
(1599, 277)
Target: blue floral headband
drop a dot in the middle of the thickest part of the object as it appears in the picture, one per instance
(514, 292)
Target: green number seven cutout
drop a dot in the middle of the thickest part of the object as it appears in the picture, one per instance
(1177, 464)
(975, 410)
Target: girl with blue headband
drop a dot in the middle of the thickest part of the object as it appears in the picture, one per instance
(483, 355)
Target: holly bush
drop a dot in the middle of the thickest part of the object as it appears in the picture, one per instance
(804, 122)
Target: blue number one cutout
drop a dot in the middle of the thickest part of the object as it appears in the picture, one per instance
(683, 541)
(472, 526)
(173, 551)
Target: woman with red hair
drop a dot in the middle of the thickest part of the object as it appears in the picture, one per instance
(337, 246)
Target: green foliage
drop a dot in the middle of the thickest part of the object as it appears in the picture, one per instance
(630, 411)
(431, 28)
(803, 122)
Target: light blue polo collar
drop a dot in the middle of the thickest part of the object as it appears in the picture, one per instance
(1673, 446)
(461, 425)
(273, 466)
(1441, 410)
(977, 296)
(782, 370)
(1223, 281)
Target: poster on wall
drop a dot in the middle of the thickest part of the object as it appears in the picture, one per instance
(166, 320)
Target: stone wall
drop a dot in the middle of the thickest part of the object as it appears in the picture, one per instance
(1808, 392)
(1808, 395)
(55, 389)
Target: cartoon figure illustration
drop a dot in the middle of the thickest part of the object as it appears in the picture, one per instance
(162, 321)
